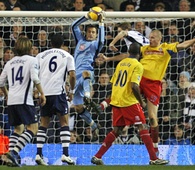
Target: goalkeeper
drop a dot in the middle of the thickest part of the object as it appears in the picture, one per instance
(155, 59)
(87, 48)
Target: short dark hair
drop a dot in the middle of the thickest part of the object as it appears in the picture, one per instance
(57, 40)
(134, 48)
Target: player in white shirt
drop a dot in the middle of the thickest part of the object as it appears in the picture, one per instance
(55, 64)
(21, 71)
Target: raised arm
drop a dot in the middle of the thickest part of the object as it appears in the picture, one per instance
(185, 44)
(117, 38)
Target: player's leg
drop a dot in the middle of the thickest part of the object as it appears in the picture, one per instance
(15, 135)
(23, 114)
(41, 138)
(87, 84)
(23, 139)
(13, 139)
(152, 91)
(118, 124)
(154, 128)
(107, 143)
(65, 138)
(87, 87)
(145, 136)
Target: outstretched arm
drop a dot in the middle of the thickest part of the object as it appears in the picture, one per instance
(114, 58)
(117, 38)
(185, 44)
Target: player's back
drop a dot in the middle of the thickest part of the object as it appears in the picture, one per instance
(19, 72)
(54, 65)
(128, 70)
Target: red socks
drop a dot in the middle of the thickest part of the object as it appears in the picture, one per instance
(145, 136)
(107, 143)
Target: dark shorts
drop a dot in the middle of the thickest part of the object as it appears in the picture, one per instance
(131, 115)
(21, 114)
(55, 104)
(151, 89)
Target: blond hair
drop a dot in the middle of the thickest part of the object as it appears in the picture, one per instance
(23, 46)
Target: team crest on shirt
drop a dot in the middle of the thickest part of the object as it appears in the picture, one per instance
(137, 118)
(82, 47)
(160, 49)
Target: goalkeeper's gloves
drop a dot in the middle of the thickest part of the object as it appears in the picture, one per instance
(102, 17)
(87, 15)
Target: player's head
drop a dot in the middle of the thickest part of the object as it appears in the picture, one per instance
(23, 46)
(91, 32)
(134, 50)
(155, 38)
(125, 26)
(57, 40)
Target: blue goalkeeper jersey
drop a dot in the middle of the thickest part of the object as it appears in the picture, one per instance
(86, 51)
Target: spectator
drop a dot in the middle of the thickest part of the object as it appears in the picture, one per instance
(4, 147)
(129, 5)
(34, 51)
(184, 83)
(167, 105)
(10, 4)
(8, 54)
(159, 7)
(178, 136)
(142, 28)
(39, 5)
(175, 64)
(78, 5)
(42, 41)
(2, 5)
(189, 112)
(2, 46)
(188, 63)
(102, 90)
(128, 136)
(11, 38)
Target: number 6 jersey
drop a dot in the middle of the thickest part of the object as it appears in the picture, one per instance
(54, 65)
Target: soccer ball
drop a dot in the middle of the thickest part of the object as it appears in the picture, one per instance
(94, 13)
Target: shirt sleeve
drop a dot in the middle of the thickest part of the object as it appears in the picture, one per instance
(34, 71)
(137, 74)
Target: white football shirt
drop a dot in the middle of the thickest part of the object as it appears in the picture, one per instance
(54, 65)
(135, 36)
(20, 73)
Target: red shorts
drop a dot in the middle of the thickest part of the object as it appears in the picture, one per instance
(151, 89)
(130, 115)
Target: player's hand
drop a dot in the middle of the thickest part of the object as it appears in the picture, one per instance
(70, 96)
(42, 99)
(112, 47)
(102, 17)
(102, 57)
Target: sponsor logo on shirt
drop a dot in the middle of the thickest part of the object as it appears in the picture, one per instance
(160, 52)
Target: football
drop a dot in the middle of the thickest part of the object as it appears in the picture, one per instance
(94, 13)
